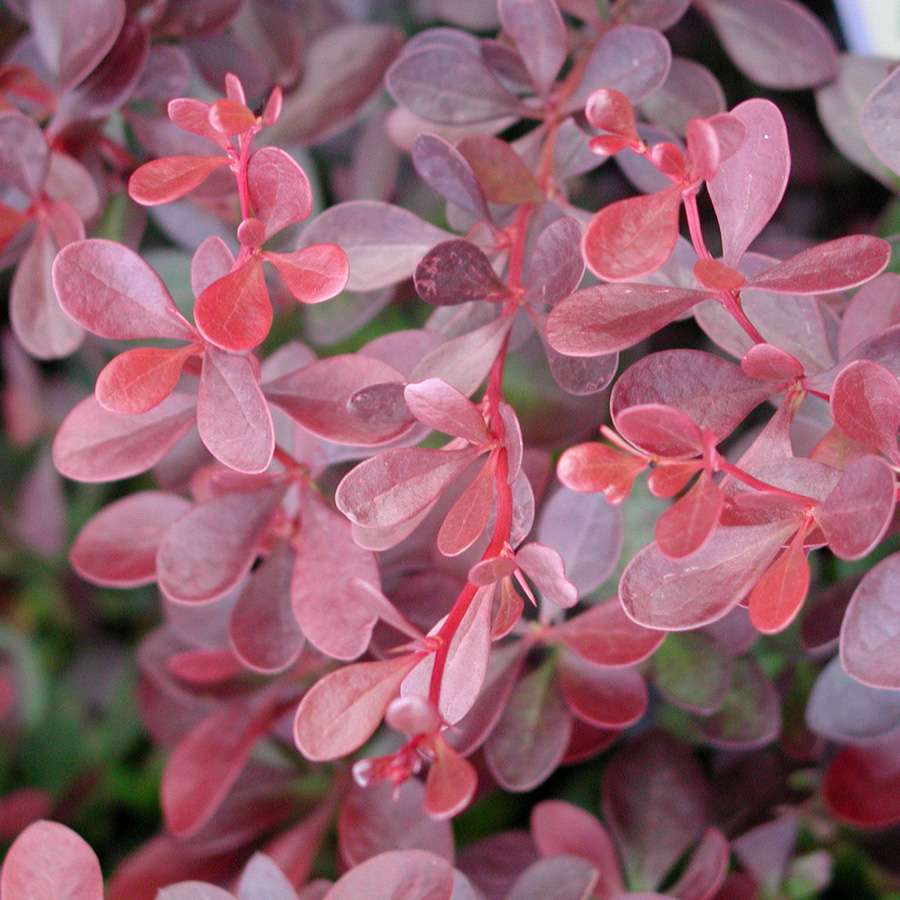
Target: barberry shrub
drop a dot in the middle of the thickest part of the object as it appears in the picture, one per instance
(489, 412)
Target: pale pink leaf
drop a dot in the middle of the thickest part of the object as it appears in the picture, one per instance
(117, 547)
(545, 567)
(48, 861)
(25, 156)
(706, 868)
(442, 407)
(556, 878)
(341, 711)
(465, 522)
(263, 880)
(314, 273)
(89, 29)
(211, 261)
(397, 875)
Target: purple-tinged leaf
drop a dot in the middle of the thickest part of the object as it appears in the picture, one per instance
(856, 514)
(750, 717)
(48, 861)
(776, 43)
(168, 179)
(279, 189)
(545, 567)
(232, 414)
(654, 801)
(208, 550)
(468, 517)
(442, 407)
(208, 760)
(605, 636)
(750, 183)
(874, 308)
(37, 320)
(660, 430)
(397, 875)
(706, 869)
(842, 709)
(262, 628)
(629, 59)
(341, 711)
(234, 312)
(456, 272)
(610, 317)
(323, 593)
(24, 154)
(582, 375)
(314, 273)
(449, 85)
(608, 698)
(445, 169)
(117, 547)
(870, 632)
(206, 666)
(137, 380)
(382, 818)
(193, 890)
(263, 880)
(113, 292)
(766, 850)
(862, 785)
(560, 828)
(776, 598)
(318, 397)
(878, 112)
(398, 484)
(537, 29)
(690, 90)
(383, 243)
(680, 595)
(692, 671)
(711, 391)
(450, 784)
(556, 878)
(211, 261)
(689, 523)
(89, 29)
(865, 406)
(834, 266)
(532, 734)
(588, 529)
(555, 267)
(93, 444)
(658, 14)
(631, 238)
(500, 171)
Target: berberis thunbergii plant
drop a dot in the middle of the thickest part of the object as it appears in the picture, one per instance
(509, 431)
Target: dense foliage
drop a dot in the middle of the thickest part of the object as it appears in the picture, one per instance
(450, 452)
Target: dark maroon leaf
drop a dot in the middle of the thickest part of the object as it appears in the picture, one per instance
(446, 170)
(456, 272)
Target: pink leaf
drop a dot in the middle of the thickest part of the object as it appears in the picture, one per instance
(232, 414)
(48, 861)
(778, 595)
(612, 111)
(856, 514)
(341, 711)
(396, 485)
(93, 444)
(89, 30)
(749, 184)
(262, 628)
(766, 362)
(545, 567)
(680, 595)
(865, 406)
(114, 293)
(397, 875)
(837, 265)
(167, 179)
(117, 547)
(137, 380)
(206, 666)
(555, 266)
(234, 312)
(324, 597)
(631, 238)
(607, 698)
(231, 117)
(208, 550)
(706, 869)
(193, 115)
(451, 782)
(465, 522)
(211, 261)
(610, 317)
(25, 158)
(557, 878)
(604, 635)
(689, 523)
(599, 467)
(660, 430)
(314, 273)
(870, 632)
(441, 406)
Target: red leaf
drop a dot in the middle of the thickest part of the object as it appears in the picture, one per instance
(862, 785)
(465, 522)
(117, 547)
(279, 189)
(715, 275)
(48, 861)
(689, 523)
(314, 273)
(631, 238)
(611, 111)
(766, 362)
(599, 467)
(607, 698)
(341, 711)
(234, 313)
(230, 117)
(660, 430)
(865, 406)
(167, 179)
(778, 595)
(610, 317)
(137, 380)
(193, 115)
(451, 782)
